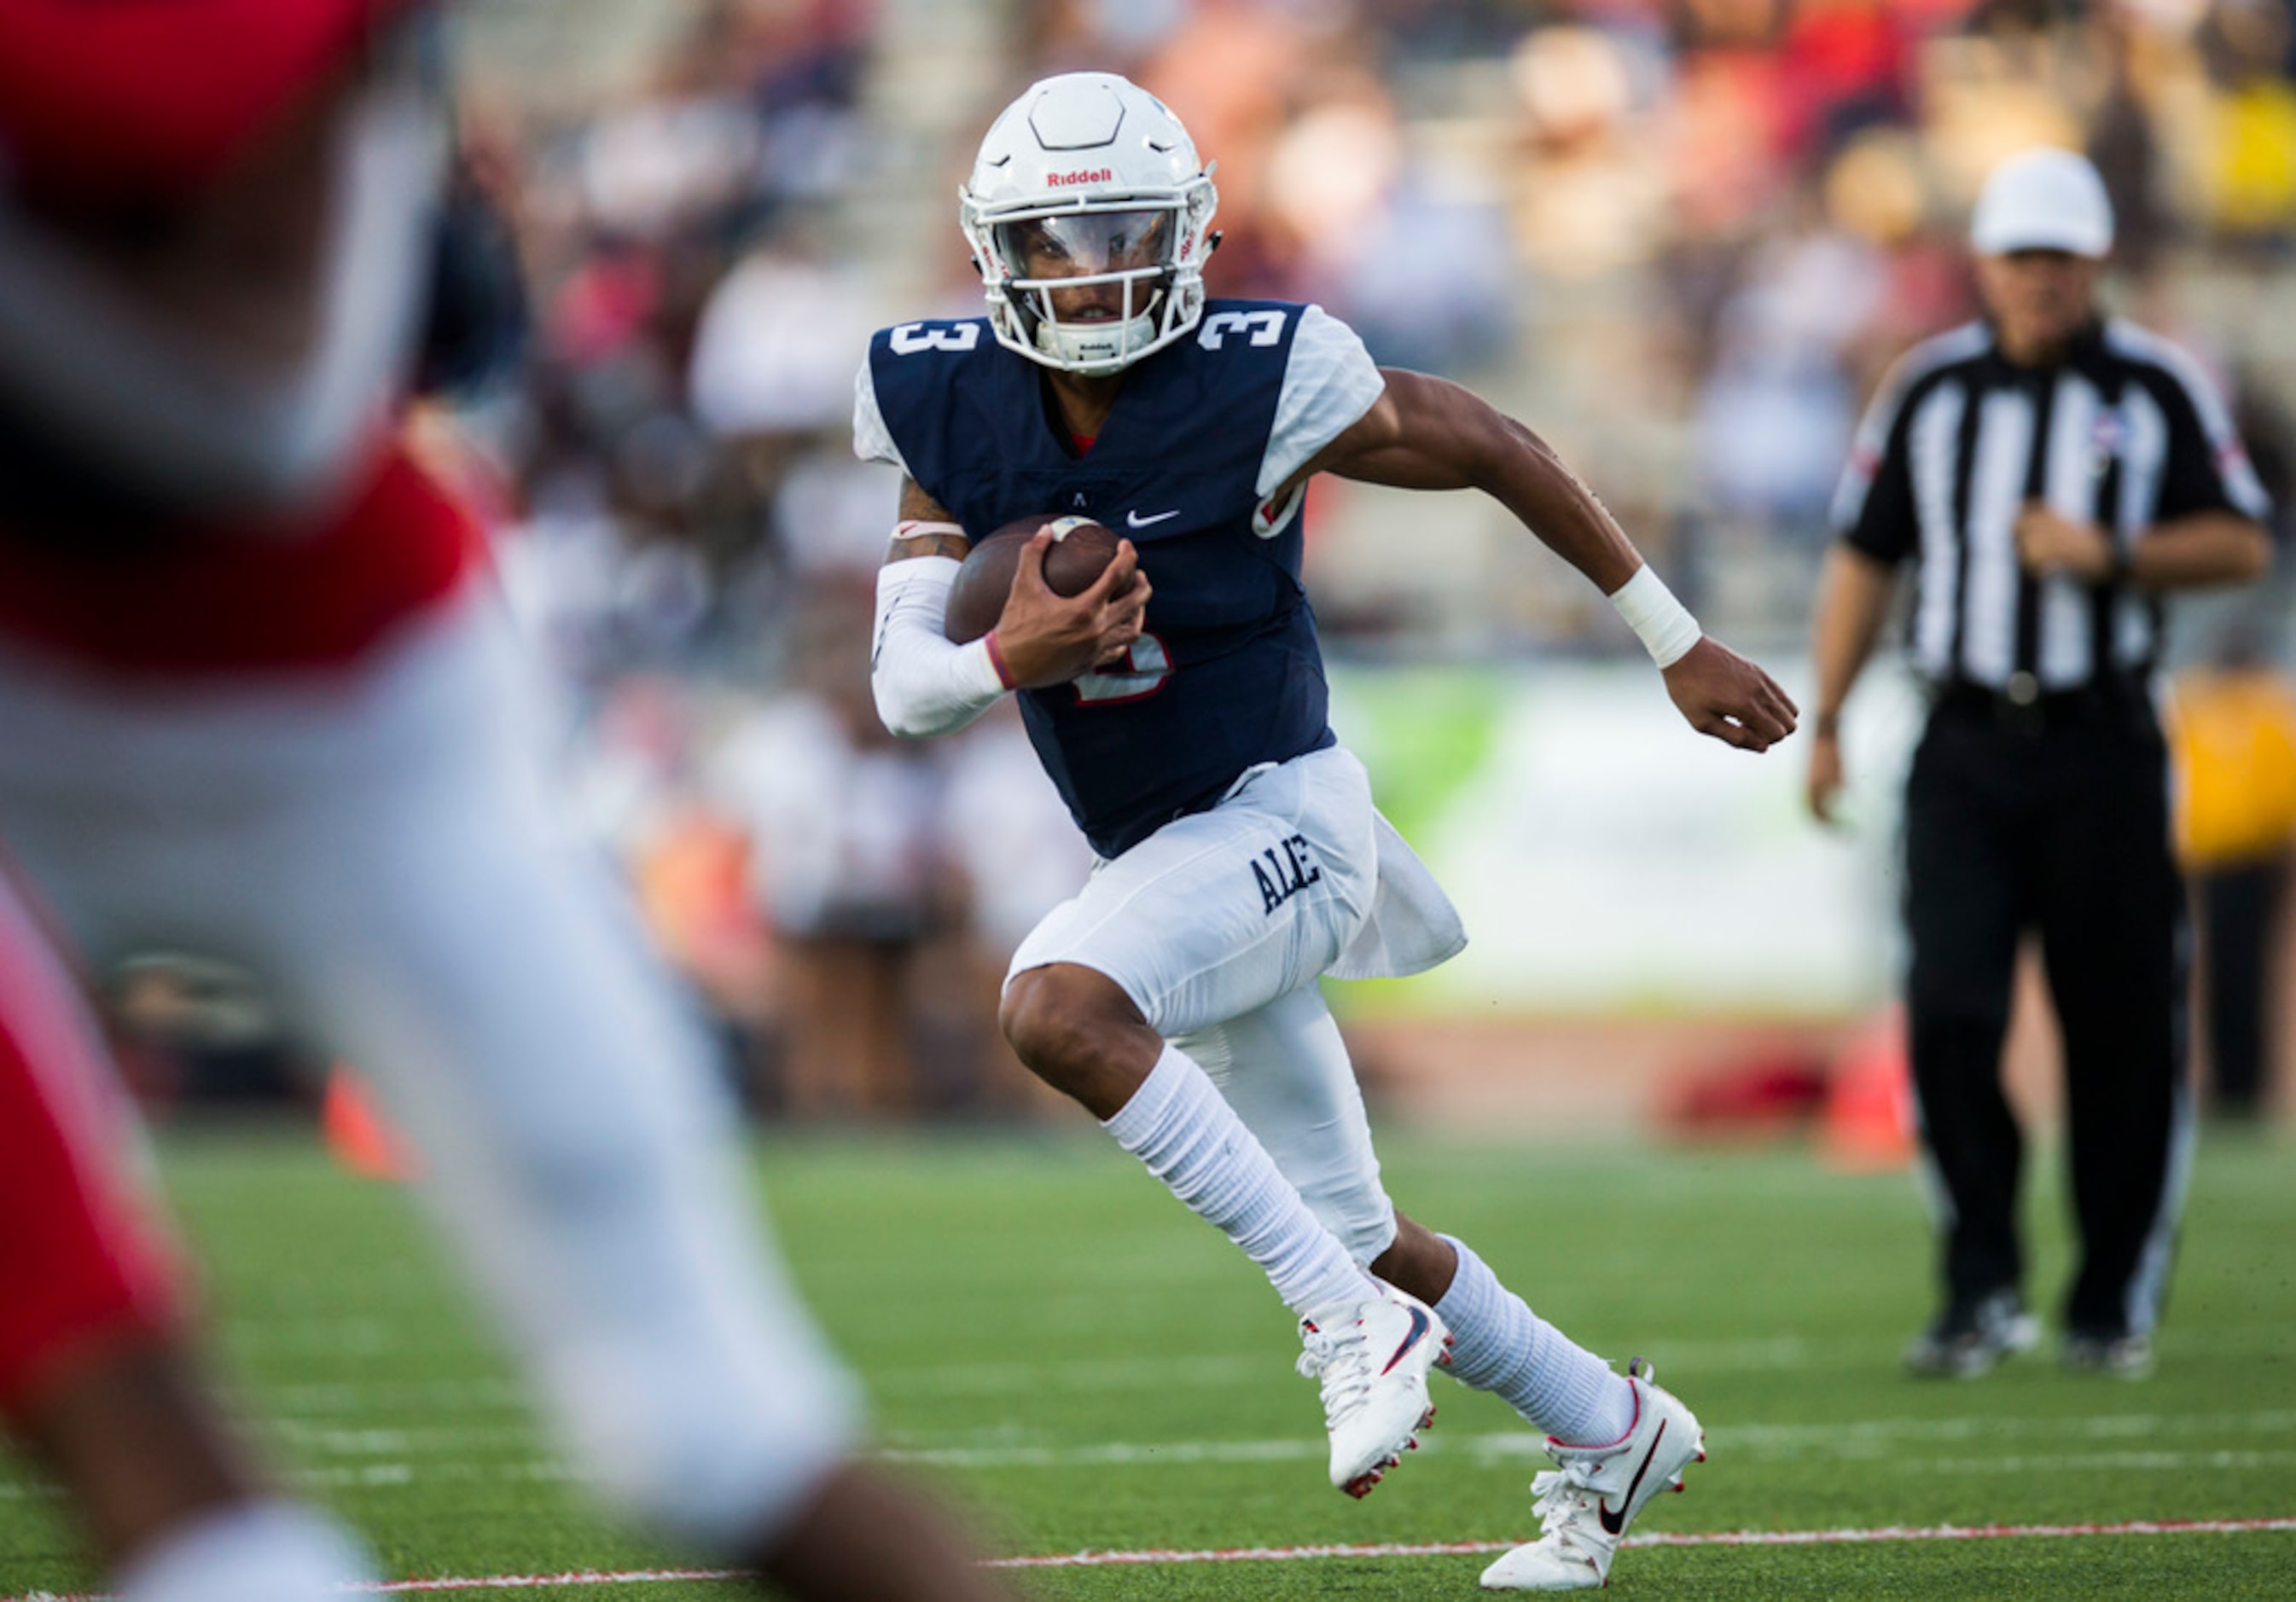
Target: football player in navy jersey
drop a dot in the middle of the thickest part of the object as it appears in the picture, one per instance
(1179, 705)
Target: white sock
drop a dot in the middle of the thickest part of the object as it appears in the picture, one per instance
(1178, 1125)
(1499, 1344)
(255, 1552)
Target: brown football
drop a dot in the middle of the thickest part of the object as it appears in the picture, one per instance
(1081, 551)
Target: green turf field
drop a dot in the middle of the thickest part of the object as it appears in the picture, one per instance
(1054, 1342)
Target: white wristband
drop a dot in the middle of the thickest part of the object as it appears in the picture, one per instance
(1664, 624)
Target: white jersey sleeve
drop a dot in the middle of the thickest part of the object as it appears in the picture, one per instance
(872, 441)
(1330, 382)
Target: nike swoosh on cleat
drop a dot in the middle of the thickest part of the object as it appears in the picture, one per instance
(1614, 1524)
(1418, 1333)
(1133, 520)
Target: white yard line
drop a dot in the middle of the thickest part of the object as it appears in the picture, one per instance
(381, 1458)
(1207, 1371)
(1529, 1449)
(1157, 1556)
(1177, 1454)
(1849, 1439)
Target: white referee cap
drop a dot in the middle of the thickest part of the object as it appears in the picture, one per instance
(2044, 199)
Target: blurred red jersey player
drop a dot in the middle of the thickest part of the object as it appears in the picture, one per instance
(219, 236)
(253, 701)
(98, 1373)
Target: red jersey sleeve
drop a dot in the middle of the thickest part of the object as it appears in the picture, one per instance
(136, 97)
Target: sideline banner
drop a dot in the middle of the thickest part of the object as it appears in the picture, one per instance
(1606, 858)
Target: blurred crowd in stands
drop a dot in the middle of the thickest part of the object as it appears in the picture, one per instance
(1682, 238)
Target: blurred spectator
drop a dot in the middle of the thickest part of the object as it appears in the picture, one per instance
(2235, 742)
(2128, 154)
(653, 165)
(1586, 196)
(2252, 158)
(1417, 251)
(773, 354)
(1008, 833)
(1847, 64)
(831, 510)
(1017, 855)
(843, 821)
(1779, 384)
(192, 1030)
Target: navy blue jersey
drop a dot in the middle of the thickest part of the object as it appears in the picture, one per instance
(1228, 673)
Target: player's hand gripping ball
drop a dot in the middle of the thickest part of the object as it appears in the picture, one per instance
(1081, 551)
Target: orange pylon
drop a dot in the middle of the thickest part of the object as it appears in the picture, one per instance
(1868, 1122)
(358, 1135)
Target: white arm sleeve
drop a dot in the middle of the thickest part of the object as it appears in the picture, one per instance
(872, 441)
(1329, 382)
(924, 684)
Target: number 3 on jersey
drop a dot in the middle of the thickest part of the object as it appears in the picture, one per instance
(1266, 328)
(911, 338)
(1150, 667)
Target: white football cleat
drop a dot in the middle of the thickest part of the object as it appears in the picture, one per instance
(1591, 1496)
(1373, 1359)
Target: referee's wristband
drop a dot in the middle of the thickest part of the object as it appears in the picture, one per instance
(1664, 624)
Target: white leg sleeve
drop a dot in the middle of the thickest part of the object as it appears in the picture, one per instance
(1177, 1123)
(1285, 1071)
(1499, 1344)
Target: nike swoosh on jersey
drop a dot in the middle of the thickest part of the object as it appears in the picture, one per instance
(1614, 1522)
(1133, 520)
(1418, 1333)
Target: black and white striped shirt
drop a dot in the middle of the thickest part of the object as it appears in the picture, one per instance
(2125, 434)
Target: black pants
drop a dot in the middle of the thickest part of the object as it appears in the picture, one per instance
(2239, 907)
(2053, 820)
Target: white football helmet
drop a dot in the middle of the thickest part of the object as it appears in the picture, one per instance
(1087, 181)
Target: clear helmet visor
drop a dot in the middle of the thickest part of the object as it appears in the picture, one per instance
(1085, 244)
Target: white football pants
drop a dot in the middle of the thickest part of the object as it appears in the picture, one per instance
(375, 843)
(1217, 927)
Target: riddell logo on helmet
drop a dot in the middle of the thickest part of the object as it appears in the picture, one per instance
(1095, 174)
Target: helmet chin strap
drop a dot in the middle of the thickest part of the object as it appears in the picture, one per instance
(1099, 346)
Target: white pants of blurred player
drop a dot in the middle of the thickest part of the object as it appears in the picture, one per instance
(375, 842)
(1217, 928)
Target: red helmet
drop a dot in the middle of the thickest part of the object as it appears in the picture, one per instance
(132, 97)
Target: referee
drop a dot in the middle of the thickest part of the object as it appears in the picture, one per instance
(2052, 474)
